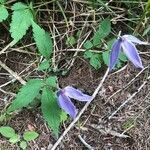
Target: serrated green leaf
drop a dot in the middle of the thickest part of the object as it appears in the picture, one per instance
(71, 41)
(88, 54)
(23, 144)
(105, 56)
(26, 95)
(14, 139)
(21, 20)
(30, 135)
(88, 44)
(51, 110)
(95, 61)
(3, 13)
(44, 65)
(103, 31)
(52, 81)
(43, 40)
(19, 6)
(7, 132)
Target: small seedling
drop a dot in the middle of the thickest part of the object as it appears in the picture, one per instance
(13, 137)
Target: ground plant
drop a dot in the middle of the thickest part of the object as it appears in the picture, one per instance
(108, 36)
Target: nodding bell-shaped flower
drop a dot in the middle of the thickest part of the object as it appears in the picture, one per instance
(64, 100)
(127, 43)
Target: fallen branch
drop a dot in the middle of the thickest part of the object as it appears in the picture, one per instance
(89, 147)
(14, 74)
(130, 98)
(106, 131)
(131, 81)
(6, 47)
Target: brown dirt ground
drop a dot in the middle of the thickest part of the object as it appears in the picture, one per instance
(134, 117)
(135, 113)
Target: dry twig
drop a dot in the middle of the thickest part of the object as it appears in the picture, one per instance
(89, 147)
(130, 98)
(14, 74)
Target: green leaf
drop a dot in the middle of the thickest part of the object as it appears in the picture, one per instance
(51, 110)
(146, 31)
(26, 95)
(119, 64)
(71, 41)
(21, 20)
(88, 44)
(110, 43)
(23, 145)
(105, 28)
(2, 1)
(44, 65)
(96, 39)
(95, 61)
(7, 132)
(43, 40)
(88, 54)
(63, 116)
(14, 139)
(122, 57)
(105, 56)
(3, 13)
(30, 135)
(19, 6)
(52, 81)
(103, 31)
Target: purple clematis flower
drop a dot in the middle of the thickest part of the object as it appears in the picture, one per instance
(64, 100)
(127, 43)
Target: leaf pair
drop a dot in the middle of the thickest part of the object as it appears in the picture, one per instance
(95, 59)
(102, 32)
(10, 133)
(22, 19)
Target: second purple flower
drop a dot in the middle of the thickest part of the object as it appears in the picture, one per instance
(64, 100)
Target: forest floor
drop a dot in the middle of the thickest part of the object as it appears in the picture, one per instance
(127, 129)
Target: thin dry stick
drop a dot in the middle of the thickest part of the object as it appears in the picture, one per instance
(5, 48)
(81, 112)
(124, 87)
(89, 147)
(14, 74)
(126, 101)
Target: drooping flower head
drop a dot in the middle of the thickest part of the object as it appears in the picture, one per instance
(64, 100)
(127, 43)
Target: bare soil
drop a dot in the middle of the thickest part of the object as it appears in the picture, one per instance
(94, 123)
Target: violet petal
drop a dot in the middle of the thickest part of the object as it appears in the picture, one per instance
(114, 53)
(132, 54)
(134, 40)
(66, 104)
(76, 94)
